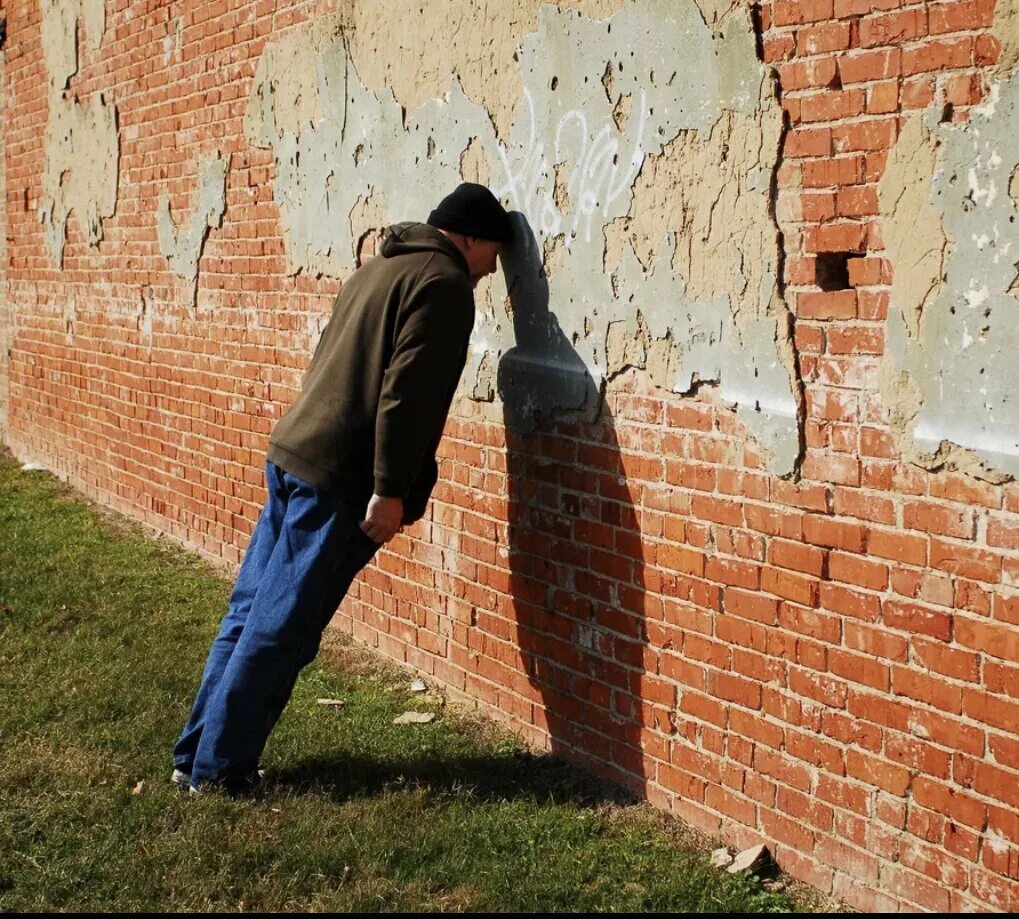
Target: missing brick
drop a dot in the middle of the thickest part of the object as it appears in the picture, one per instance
(831, 270)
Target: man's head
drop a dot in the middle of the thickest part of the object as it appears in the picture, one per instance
(476, 223)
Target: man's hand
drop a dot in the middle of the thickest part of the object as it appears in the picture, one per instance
(383, 519)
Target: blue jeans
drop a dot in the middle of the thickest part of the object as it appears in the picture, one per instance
(304, 553)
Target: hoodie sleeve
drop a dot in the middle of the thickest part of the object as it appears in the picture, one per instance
(428, 357)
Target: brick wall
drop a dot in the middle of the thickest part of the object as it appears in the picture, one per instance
(829, 664)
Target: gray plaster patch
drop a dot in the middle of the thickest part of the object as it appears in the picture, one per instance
(182, 245)
(601, 103)
(959, 371)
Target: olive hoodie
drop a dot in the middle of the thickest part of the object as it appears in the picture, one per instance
(375, 398)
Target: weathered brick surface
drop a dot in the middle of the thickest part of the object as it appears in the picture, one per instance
(830, 664)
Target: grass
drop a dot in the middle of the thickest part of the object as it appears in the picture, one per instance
(103, 635)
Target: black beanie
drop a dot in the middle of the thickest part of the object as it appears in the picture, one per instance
(473, 211)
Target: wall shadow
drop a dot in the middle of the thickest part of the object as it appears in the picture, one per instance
(576, 568)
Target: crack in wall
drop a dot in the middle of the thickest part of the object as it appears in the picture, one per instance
(638, 191)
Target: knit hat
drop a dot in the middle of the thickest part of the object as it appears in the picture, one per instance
(473, 211)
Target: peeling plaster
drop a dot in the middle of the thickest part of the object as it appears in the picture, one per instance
(81, 142)
(913, 232)
(644, 194)
(182, 246)
(60, 20)
(80, 173)
(1006, 28)
(950, 378)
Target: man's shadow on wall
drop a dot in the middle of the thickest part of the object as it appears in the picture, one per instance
(576, 572)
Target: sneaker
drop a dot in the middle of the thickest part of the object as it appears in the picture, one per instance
(180, 779)
(232, 787)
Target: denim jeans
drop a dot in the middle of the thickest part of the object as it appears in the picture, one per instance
(305, 551)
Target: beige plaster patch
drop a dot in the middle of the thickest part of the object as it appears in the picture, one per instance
(416, 49)
(81, 141)
(474, 165)
(912, 229)
(1006, 29)
(80, 173)
(715, 192)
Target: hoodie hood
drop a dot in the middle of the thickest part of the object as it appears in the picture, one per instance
(408, 238)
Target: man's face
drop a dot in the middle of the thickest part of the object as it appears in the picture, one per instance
(481, 255)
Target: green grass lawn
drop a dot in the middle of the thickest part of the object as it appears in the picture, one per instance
(103, 635)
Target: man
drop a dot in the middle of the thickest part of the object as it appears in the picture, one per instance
(351, 462)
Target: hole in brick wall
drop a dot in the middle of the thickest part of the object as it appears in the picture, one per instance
(757, 20)
(836, 81)
(831, 270)
(947, 112)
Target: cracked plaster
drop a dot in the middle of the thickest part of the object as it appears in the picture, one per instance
(643, 188)
(182, 246)
(949, 378)
(81, 141)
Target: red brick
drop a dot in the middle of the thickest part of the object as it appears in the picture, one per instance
(778, 47)
(837, 237)
(938, 55)
(876, 641)
(930, 690)
(859, 669)
(804, 142)
(892, 28)
(960, 15)
(791, 586)
(797, 12)
(831, 105)
(977, 564)
(832, 172)
(989, 637)
(917, 92)
(818, 686)
(918, 755)
(851, 502)
(796, 556)
(946, 731)
(782, 767)
(822, 38)
(938, 657)
(954, 486)
(867, 66)
(998, 893)
(898, 547)
(877, 134)
(751, 605)
(887, 776)
(853, 603)
(837, 468)
(1003, 532)
(987, 50)
(678, 558)
(913, 618)
(943, 519)
(835, 534)
(987, 709)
